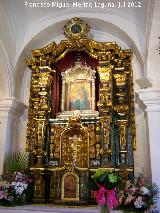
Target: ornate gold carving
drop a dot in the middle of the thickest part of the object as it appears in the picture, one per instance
(74, 145)
(53, 185)
(82, 79)
(124, 174)
(38, 111)
(106, 126)
(76, 28)
(121, 108)
(122, 124)
(92, 142)
(95, 141)
(55, 141)
(133, 126)
(39, 185)
(120, 79)
(105, 105)
(93, 48)
(40, 145)
(105, 74)
(45, 50)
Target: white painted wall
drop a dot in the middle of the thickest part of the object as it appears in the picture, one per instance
(142, 154)
(10, 112)
(153, 60)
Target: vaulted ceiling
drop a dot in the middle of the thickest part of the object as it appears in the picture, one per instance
(21, 18)
(24, 26)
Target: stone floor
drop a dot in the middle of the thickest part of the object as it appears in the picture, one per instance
(46, 209)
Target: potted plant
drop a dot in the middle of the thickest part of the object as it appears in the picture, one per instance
(103, 184)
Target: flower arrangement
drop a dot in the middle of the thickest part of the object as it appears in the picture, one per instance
(104, 189)
(15, 191)
(137, 196)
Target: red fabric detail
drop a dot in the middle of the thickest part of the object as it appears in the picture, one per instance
(69, 59)
(64, 64)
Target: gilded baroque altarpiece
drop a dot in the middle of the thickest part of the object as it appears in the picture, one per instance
(81, 114)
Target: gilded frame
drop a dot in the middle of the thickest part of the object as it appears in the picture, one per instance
(112, 61)
(77, 123)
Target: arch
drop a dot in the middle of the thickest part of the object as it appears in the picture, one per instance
(25, 89)
(58, 21)
(42, 33)
(76, 198)
(6, 77)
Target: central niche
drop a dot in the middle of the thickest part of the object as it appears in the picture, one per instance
(78, 90)
(77, 87)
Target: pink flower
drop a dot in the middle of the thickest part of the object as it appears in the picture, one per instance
(3, 194)
(30, 180)
(140, 181)
(128, 184)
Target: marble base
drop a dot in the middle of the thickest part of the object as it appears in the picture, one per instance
(53, 209)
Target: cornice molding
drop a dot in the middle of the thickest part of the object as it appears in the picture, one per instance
(151, 99)
(11, 108)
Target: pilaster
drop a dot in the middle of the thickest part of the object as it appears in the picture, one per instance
(10, 113)
(151, 99)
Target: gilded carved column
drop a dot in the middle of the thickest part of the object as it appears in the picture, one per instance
(39, 110)
(133, 126)
(122, 126)
(105, 105)
(124, 108)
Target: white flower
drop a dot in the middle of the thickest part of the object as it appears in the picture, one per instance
(19, 191)
(19, 187)
(14, 183)
(18, 176)
(145, 191)
(138, 203)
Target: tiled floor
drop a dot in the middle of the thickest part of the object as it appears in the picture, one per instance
(47, 209)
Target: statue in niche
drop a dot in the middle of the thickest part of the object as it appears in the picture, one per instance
(78, 89)
(79, 96)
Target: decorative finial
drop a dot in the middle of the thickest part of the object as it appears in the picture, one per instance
(76, 28)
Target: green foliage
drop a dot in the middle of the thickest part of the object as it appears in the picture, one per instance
(16, 162)
(92, 185)
(105, 178)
